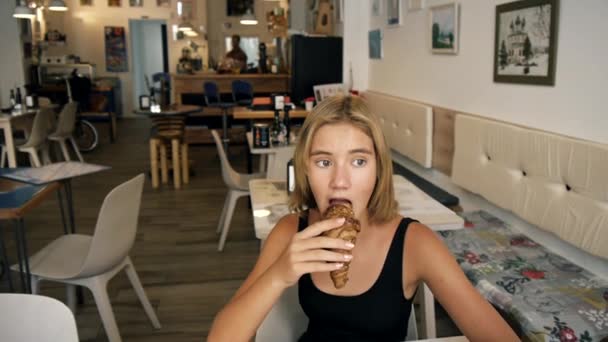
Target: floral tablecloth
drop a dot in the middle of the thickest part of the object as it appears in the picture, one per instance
(545, 296)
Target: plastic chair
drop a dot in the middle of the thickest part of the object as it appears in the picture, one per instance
(65, 128)
(287, 322)
(35, 318)
(242, 93)
(91, 261)
(213, 100)
(238, 186)
(277, 162)
(36, 141)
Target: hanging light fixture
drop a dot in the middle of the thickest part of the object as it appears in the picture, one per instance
(248, 18)
(22, 11)
(58, 5)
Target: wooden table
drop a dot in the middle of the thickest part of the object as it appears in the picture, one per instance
(193, 84)
(250, 114)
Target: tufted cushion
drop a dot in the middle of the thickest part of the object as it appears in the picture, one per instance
(557, 183)
(407, 126)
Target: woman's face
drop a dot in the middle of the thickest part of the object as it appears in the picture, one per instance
(342, 167)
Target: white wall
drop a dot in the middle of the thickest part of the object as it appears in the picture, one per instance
(575, 106)
(11, 53)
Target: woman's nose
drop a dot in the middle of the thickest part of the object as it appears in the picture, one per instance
(340, 177)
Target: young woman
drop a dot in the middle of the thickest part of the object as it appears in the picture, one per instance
(341, 157)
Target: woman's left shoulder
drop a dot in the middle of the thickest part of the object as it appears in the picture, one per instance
(422, 239)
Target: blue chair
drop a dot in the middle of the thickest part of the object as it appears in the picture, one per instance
(213, 100)
(242, 93)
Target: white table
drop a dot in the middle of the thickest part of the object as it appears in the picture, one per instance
(269, 204)
(270, 157)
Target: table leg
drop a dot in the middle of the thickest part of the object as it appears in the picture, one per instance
(28, 274)
(225, 130)
(5, 263)
(154, 162)
(60, 200)
(21, 257)
(429, 313)
(70, 204)
(9, 144)
(185, 164)
(177, 182)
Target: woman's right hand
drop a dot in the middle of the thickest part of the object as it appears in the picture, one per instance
(310, 252)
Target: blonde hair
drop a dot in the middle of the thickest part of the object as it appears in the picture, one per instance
(382, 206)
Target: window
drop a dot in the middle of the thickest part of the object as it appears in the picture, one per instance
(250, 46)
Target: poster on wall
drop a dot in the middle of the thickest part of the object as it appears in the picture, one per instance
(136, 3)
(444, 28)
(393, 12)
(525, 42)
(163, 3)
(114, 3)
(86, 2)
(116, 49)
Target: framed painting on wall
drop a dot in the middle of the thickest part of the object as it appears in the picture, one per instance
(444, 33)
(525, 42)
(136, 3)
(375, 44)
(163, 3)
(238, 7)
(86, 2)
(114, 3)
(116, 49)
(393, 12)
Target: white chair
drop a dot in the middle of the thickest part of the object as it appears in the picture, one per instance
(287, 322)
(277, 163)
(91, 261)
(35, 318)
(36, 141)
(65, 128)
(238, 186)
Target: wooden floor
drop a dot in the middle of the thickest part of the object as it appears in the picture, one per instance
(175, 252)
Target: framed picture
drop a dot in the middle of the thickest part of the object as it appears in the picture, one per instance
(393, 12)
(86, 2)
(163, 3)
(116, 49)
(415, 5)
(444, 34)
(339, 10)
(376, 8)
(327, 90)
(136, 3)
(375, 44)
(144, 102)
(114, 3)
(525, 42)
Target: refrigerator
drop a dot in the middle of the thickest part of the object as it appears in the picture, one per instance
(314, 61)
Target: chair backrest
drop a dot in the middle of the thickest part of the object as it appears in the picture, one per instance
(162, 77)
(212, 95)
(228, 174)
(26, 317)
(286, 321)
(116, 227)
(67, 119)
(41, 127)
(242, 93)
(277, 169)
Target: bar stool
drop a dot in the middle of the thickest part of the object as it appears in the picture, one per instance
(169, 131)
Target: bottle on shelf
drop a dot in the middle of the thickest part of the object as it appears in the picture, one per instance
(287, 123)
(275, 130)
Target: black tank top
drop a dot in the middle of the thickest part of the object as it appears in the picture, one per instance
(379, 314)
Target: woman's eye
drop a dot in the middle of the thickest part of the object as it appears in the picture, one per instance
(359, 162)
(323, 163)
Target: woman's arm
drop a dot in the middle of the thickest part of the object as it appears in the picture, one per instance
(435, 265)
(286, 255)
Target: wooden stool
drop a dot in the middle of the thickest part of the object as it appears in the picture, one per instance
(169, 131)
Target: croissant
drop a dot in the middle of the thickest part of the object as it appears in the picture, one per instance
(348, 232)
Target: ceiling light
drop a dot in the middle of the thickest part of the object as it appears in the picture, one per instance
(191, 33)
(248, 18)
(23, 12)
(58, 5)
